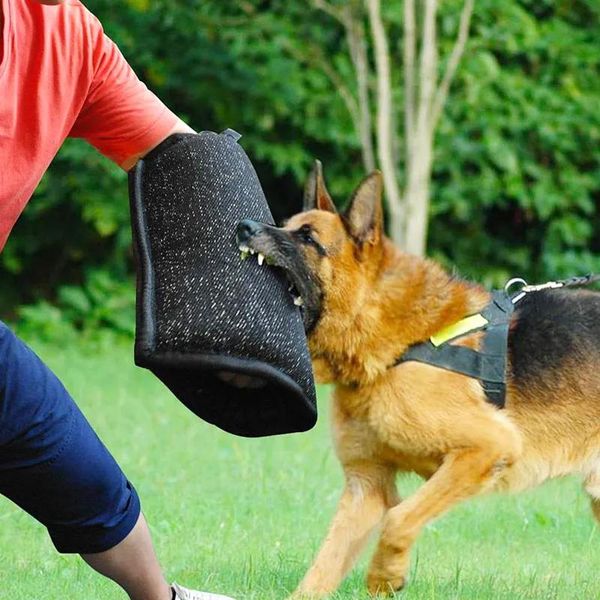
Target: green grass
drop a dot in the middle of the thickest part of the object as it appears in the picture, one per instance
(246, 516)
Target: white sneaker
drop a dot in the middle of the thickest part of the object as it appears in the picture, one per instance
(182, 593)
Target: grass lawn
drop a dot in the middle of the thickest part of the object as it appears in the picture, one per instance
(245, 517)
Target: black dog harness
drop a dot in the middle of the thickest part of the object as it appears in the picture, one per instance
(489, 364)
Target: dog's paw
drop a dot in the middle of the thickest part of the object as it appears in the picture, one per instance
(387, 572)
(384, 585)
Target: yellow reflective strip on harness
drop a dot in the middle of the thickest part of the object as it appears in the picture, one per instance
(459, 328)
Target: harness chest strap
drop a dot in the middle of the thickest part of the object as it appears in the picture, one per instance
(489, 364)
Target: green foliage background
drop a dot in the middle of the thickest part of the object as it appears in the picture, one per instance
(516, 183)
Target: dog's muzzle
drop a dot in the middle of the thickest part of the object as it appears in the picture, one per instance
(247, 229)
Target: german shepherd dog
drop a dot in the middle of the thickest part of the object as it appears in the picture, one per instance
(364, 303)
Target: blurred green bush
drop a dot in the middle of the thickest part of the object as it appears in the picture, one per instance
(516, 184)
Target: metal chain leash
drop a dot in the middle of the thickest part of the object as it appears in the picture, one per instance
(570, 282)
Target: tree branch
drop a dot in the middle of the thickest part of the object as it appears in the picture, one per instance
(355, 35)
(332, 11)
(410, 37)
(312, 54)
(361, 113)
(453, 62)
(384, 116)
(427, 67)
(343, 91)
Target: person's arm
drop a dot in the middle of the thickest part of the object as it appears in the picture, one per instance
(179, 127)
(121, 117)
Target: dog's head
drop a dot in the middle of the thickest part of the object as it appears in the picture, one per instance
(327, 256)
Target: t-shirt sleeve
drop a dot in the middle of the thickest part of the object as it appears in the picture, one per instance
(120, 116)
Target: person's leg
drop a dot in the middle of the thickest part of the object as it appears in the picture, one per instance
(54, 466)
(133, 565)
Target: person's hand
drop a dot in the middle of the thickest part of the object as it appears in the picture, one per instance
(241, 381)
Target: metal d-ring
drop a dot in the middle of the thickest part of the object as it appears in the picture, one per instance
(512, 282)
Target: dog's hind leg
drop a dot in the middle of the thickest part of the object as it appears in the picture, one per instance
(465, 472)
(369, 493)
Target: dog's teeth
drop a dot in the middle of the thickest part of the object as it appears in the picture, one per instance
(298, 301)
(261, 258)
(252, 251)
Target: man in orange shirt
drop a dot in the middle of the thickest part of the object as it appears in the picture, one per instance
(60, 76)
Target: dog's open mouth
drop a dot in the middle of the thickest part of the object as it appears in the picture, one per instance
(279, 249)
(272, 260)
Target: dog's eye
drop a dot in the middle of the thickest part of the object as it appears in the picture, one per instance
(305, 234)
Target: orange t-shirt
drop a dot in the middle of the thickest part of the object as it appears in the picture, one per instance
(60, 76)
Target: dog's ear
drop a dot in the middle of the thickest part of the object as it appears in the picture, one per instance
(364, 215)
(315, 191)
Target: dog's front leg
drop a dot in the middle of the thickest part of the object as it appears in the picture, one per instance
(464, 473)
(370, 491)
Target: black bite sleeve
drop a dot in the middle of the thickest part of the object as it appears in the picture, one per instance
(200, 309)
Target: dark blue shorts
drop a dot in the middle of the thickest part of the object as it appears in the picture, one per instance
(52, 464)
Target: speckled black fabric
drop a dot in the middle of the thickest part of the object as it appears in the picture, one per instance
(200, 309)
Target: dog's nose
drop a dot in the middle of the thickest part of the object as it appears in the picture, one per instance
(246, 229)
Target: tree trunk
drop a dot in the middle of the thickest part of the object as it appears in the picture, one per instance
(397, 225)
(419, 164)
(417, 198)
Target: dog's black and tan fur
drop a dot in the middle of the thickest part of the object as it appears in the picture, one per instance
(365, 302)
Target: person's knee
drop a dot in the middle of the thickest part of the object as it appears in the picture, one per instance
(103, 505)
